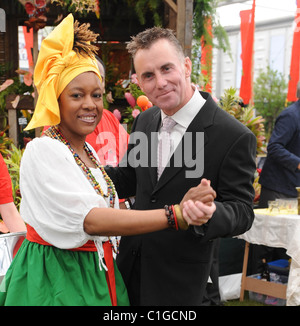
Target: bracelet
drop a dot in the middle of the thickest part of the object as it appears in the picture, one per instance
(172, 220)
(182, 223)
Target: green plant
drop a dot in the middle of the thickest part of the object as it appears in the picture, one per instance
(142, 7)
(13, 161)
(18, 87)
(81, 6)
(232, 103)
(5, 142)
(270, 96)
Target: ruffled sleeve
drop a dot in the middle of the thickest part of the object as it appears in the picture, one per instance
(56, 195)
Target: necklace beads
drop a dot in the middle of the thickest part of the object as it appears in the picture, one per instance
(55, 133)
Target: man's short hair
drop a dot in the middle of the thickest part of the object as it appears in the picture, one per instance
(145, 39)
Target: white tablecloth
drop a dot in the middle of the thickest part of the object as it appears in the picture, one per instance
(282, 230)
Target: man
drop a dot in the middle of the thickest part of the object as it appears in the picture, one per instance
(280, 174)
(172, 268)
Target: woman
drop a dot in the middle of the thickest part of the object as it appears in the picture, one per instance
(68, 201)
(8, 210)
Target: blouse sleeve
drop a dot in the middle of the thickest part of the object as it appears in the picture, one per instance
(56, 195)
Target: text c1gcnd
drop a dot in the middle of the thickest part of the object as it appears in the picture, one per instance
(171, 315)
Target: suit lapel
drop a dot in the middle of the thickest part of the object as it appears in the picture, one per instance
(202, 120)
(152, 136)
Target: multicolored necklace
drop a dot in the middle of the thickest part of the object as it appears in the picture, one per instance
(55, 133)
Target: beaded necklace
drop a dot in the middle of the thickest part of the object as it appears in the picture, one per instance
(55, 133)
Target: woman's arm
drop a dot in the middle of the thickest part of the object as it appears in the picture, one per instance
(12, 218)
(109, 221)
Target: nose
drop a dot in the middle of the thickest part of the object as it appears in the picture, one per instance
(89, 103)
(161, 81)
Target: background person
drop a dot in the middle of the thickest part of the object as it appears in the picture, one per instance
(8, 211)
(109, 139)
(280, 173)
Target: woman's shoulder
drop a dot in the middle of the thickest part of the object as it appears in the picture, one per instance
(45, 144)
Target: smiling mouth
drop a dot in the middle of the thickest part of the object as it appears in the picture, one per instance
(88, 118)
(164, 94)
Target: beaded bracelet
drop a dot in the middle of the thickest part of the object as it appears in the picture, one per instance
(172, 220)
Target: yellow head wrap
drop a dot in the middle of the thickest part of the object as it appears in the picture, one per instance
(57, 65)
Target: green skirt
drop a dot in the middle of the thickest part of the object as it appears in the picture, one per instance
(47, 276)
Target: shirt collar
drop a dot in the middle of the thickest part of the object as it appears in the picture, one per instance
(187, 113)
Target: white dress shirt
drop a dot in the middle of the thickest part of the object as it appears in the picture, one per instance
(184, 117)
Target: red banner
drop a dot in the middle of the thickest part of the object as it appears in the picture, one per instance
(247, 38)
(28, 36)
(295, 60)
(206, 57)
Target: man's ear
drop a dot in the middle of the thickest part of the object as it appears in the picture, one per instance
(188, 67)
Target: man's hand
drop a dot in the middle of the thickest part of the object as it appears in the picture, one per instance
(203, 193)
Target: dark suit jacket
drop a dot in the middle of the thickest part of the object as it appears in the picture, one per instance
(280, 171)
(174, 265)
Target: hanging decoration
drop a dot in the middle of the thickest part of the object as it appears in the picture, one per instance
(82, 6)
(247, 38)
(36, 10)
(295, 60)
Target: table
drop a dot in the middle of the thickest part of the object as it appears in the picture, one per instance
(281, 230)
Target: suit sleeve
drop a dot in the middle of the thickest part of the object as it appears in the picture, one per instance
(234, 203)
(284, 131)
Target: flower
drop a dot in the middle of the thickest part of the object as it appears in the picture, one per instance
(134, 79)
(117, 114)
(130, 99)
(7, 83)
(28, 79)
(109, 97)
(135, 113)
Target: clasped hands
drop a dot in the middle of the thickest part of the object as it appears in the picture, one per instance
(198, 204)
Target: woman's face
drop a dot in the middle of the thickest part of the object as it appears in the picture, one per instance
(81, 105)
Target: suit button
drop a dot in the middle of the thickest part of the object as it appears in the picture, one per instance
(153, 199)
(133, 252)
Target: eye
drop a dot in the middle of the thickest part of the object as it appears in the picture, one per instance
(76, 95)
(147, 75)
(97, 95)
(166, 68)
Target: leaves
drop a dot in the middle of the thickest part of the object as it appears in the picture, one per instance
(13, 160)
(270, 96)
(232, 103)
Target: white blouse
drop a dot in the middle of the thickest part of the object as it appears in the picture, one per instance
(57, 196)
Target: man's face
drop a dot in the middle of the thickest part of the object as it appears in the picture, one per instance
(164, 76)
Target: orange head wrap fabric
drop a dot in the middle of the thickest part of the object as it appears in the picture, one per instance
(57, 65)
